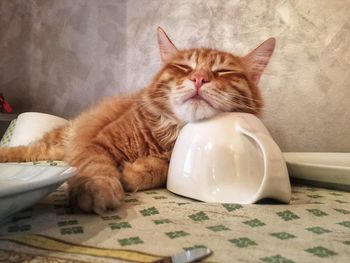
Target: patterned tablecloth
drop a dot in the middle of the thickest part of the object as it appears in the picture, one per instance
(315, 227)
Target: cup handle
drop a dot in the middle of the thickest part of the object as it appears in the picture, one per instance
(274, 164)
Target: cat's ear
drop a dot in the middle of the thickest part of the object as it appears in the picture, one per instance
(166, 47)
(256, 61)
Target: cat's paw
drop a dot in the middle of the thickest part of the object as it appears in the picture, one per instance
(133, 176)
(96, 193)
(145, 173)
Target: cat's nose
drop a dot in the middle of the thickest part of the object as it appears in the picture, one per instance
(199, 78)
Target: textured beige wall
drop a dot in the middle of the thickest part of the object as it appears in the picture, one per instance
(307, 85)
(60, 56)
(80, 51)
(15, 23)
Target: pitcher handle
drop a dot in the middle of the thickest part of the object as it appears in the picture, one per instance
(275, 167)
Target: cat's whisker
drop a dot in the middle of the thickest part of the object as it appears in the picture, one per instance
(224, 100)
(245, 106)
(179, 87)
(247, 98)
(244, 98)
(239, 96)
(166, 84)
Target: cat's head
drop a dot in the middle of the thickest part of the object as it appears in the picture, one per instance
(199, 83)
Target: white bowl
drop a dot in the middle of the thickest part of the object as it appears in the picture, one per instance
(21, 185)
(31, 126)
(326, 169)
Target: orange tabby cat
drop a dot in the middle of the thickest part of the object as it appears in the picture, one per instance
(125, 142)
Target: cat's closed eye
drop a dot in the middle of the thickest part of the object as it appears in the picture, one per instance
(224, 71)
(183, 67)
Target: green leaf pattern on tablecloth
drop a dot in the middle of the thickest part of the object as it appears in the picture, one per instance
(232, 207)
(283, 235)
(112, 217)
(345, 223)
(218, 228)
(277, 259)
(159, 222)
(343, 211)
(288, 215)
(72, 230)
(243, 242)
(67, 223)
(176, 234)
(47, 163)
(341, 201)
(321, 252)
(160, 197)
(315, 196)
(194, 247)
(149, 211)
(317, 212)
(130, 241)
(6, 139)
(254, 222)
(318, 230)
(131, 200)
(162, 221)
(200, 216)
(336, 194)
(119, 225)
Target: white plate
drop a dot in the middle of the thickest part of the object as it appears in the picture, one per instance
(324, 169)
(21, 186)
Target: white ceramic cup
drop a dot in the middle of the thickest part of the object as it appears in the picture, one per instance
(230, 158)
(31, 126)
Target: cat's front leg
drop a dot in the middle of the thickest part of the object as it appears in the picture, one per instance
(96, 187)
(145, 173)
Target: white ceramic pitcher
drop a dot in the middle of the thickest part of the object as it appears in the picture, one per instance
(230, 158)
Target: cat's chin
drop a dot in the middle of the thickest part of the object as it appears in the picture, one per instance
(194, 110)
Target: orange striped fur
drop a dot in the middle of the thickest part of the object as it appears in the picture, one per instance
(124, 143)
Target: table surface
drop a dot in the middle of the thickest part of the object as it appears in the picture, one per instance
(314, 227)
